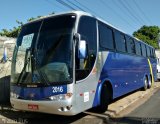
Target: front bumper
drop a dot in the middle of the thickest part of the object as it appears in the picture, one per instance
(64, 107)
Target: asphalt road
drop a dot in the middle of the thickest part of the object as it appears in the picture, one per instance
(147, 113)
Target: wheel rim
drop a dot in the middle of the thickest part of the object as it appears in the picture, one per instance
(145, 84)
(149, 83)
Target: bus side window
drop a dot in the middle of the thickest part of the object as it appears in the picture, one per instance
(88, 32)
(143, 50)
(105, 37)
(130, 45)
(151, 52)
(148, 51)
(138, 47)
(120, 41)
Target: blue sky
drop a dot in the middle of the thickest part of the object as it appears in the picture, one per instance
(127, 15)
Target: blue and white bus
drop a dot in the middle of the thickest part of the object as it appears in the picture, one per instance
(70, 62)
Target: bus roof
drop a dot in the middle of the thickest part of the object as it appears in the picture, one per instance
(80, 13)
(74, 12)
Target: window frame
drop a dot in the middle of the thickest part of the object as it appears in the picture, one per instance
(91, 47)
(106, 27)
(130, 49)
(117, 41)
(138, 52)
(148, 51)
(143, 46)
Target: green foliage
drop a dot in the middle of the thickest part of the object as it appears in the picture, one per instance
(11, 33)
(16, 30)
(148, 34)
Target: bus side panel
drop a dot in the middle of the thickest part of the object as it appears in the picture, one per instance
(125, 72)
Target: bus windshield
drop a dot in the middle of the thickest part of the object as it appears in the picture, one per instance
(43, 53)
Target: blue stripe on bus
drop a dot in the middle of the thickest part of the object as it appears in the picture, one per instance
(126, 73)
(38, 93)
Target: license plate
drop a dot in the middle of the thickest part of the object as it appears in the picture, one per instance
(33, 107)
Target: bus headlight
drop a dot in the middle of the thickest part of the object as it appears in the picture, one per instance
(60, 97)
(14, 95)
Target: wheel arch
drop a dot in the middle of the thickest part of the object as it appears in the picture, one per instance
(110, 87)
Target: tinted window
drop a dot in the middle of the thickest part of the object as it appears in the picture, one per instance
(130, 45)
(105, 37)
(138, 47)
(148, 51)
(143, 50)
(54, 47)
(27, 29)
(154, 54)
(120, 42)
(55, 35)
(87, 30)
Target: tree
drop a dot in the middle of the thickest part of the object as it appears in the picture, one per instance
(12, 32)
(148, 34)
(16, 30)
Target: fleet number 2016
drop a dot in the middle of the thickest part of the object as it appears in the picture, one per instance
(57, 89)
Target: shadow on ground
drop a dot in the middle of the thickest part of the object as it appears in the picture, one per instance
(134, 120)
(40, 118)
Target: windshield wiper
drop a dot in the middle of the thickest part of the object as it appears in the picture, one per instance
(27, 60)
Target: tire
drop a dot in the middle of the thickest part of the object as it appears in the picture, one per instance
(105, 99)
(150, 82)
(145, 84)
(5, 90)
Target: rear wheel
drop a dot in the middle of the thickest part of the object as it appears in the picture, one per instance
(145, 84)
(150, 82)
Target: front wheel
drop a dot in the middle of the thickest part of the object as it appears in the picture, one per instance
(105, 99)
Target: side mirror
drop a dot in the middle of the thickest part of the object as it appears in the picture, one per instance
(82, 49)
